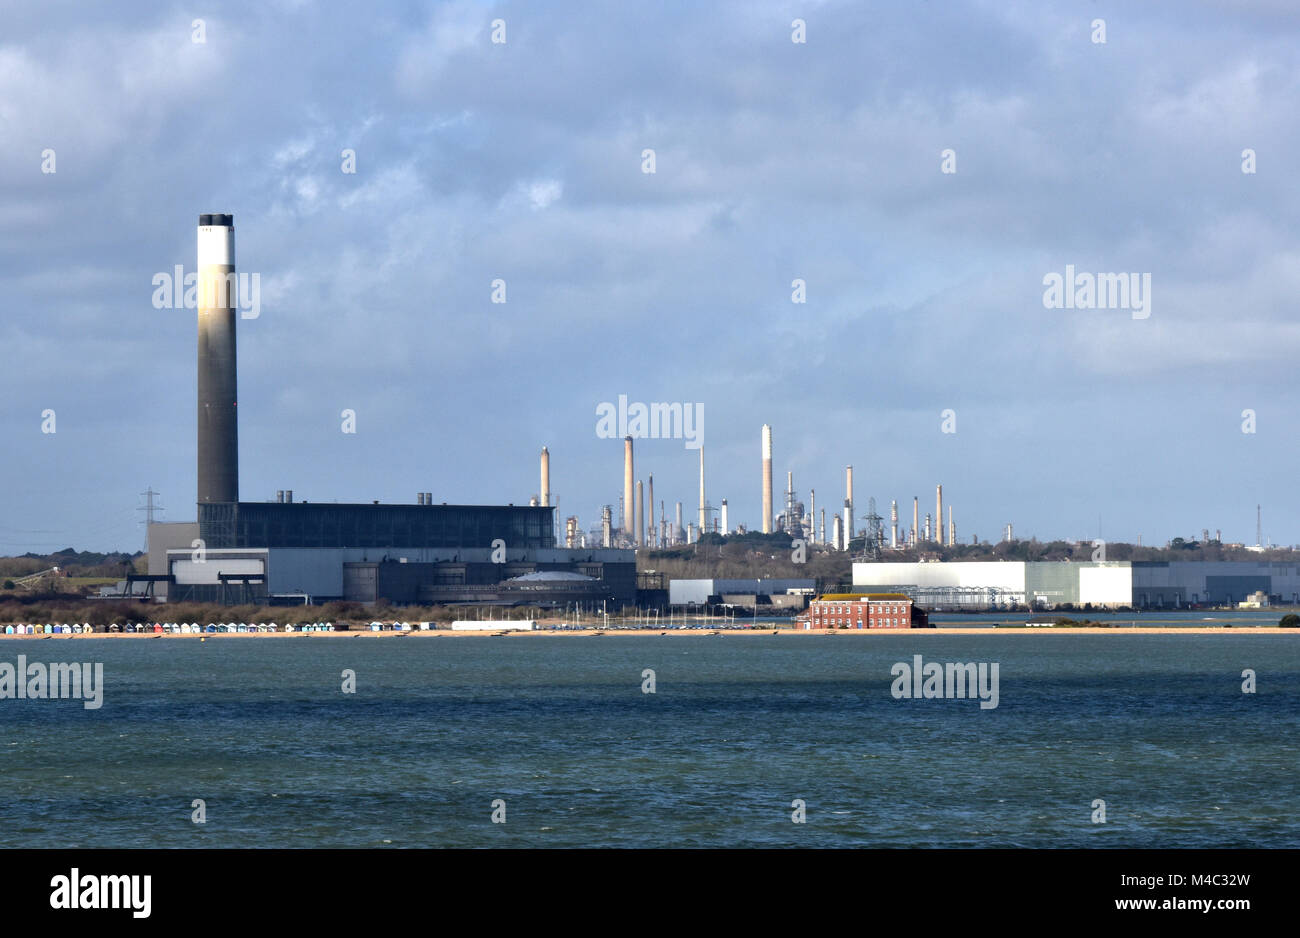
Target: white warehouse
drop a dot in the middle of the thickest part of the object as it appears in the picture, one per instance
(1144, 584)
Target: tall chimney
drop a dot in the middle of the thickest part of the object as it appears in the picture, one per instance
(916, 520)
(893, 524)
(822, 534)
(725, 520)
(629, 508)
(650, 497)
(606, 523)
(848, 504)
(218, 424)
(640, 514)
(546, 478)
(812, 515)
(704, 521)
(952, 529)
(767, 479)
(938, 514)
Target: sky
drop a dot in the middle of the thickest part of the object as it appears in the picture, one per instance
(828, 161)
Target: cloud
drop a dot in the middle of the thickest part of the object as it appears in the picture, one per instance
(775, 161)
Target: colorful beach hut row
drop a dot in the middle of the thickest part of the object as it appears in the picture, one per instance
(165, 628)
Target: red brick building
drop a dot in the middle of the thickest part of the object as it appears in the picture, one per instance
(863, 611)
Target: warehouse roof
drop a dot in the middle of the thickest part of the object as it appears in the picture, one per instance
(850, 597)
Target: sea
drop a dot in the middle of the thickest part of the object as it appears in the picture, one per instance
(757, 740)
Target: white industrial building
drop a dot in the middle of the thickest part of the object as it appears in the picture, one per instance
(780, 591)
(1001, 584)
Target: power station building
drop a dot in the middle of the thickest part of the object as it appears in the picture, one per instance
(767, 591)
(978, 585)
(257, 552)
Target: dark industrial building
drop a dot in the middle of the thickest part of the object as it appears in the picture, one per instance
(287, 551)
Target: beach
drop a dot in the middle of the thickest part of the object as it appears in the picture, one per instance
(702, 632)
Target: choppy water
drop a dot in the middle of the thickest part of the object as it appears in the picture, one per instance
(739, 727)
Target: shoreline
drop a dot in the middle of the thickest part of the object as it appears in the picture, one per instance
(705, 632)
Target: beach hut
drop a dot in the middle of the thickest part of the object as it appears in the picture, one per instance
(9, 630)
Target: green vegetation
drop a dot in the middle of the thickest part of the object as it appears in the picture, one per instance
(1290, 621)
(1063, 623)
(76, 568)
(747, 556)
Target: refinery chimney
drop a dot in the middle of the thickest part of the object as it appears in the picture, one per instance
(725, 520)
(938, 514)
(767, 479)
(704, 522)
(650, 501)
(893, 524)
(812, 516)
(546, 478)
(679, 533)
(606, 523)
(218, 425)
(916, 520)
(848, 504)
(952, 529)
(629, 508)
(640, 514)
